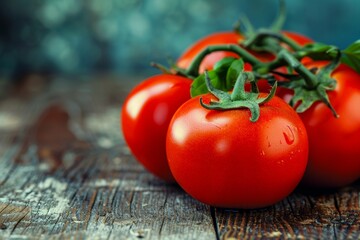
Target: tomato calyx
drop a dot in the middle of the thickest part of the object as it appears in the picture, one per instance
(311, 85)
(238, 98)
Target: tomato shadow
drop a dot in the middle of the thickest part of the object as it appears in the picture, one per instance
(318, 191)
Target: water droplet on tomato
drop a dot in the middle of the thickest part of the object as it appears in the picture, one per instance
(289, 135)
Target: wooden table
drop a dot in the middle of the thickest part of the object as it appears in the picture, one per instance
(65, 172)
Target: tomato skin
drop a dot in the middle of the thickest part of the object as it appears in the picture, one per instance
(298, 38)
(224, 160)
(334, 154)
(145, 117)
(209, 61)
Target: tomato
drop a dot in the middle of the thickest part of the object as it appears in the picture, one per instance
(145, 117)
(298, 38)
(223, 159)
(209, 61)
(334, 154)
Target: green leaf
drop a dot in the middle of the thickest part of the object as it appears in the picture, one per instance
(224, 64)
(218, 78)
(198, 86)
(351, 56)
(236, 67)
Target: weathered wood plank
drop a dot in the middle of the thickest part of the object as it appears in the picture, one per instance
(327, 215)
(66, 172)
(46, 205)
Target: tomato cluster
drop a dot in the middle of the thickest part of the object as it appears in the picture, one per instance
(223, 157)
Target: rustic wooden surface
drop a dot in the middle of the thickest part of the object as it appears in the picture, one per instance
(65, 172)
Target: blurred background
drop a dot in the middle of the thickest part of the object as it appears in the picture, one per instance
(124, 36)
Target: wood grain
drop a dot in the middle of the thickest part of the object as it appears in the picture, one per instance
(331, 215)
(65, 172)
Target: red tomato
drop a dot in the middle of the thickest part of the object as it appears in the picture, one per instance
(334, 152)
(224, 160)
(298, 38)
(145, 117)
(225, 38)
(209, 61)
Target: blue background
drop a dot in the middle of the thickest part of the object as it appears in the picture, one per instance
(124, 36)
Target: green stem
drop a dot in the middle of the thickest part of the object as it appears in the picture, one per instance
(309, 77)
(291, 43)
(262, 34)
(160, 67)
(280, 20)
(193, 70)
(265, 68)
